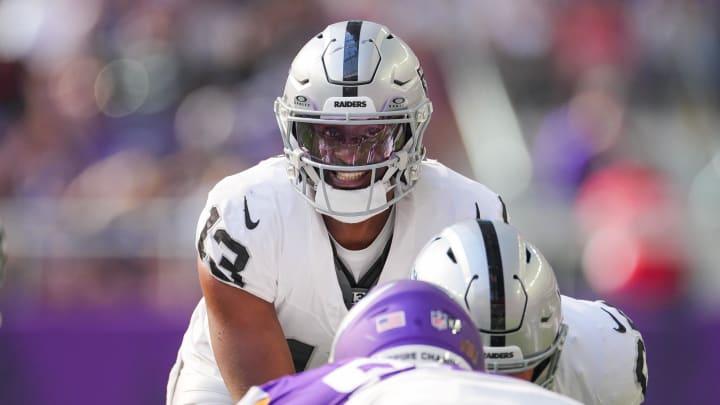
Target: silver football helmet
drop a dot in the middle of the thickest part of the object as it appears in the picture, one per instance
(508, 288)
(352, 118)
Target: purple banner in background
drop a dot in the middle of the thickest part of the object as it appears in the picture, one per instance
(101, 357)
(123, 356)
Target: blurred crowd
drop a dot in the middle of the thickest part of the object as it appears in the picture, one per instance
(597, 120)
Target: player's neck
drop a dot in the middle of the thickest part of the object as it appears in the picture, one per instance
(356, 236)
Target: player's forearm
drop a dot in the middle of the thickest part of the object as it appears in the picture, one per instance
(247, 340)
(244, 367)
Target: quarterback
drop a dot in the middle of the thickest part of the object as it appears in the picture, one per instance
(407, 342)
(589, 351)
(285, 248)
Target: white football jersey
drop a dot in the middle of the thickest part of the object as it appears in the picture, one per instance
(603, 359)
(257, 233)
(442, 385)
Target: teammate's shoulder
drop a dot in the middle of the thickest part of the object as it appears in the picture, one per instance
(588, 311)
(580, 313)
(599, 328)
(597, 331)
(576, 304)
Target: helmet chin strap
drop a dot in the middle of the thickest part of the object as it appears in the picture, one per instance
(349, 201)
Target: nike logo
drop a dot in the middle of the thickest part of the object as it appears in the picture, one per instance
(545, 319)
(620, 327)
(477, 211)
(249, 223)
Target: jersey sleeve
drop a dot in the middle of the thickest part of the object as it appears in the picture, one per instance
(604, 359)
(236, 237)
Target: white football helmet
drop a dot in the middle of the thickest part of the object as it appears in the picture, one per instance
(508, 288)
(352, 118)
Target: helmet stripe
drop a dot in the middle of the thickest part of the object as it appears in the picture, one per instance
(351, 50)
(496, 280)
(351, 57)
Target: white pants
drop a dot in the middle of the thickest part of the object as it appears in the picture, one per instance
(195, 378)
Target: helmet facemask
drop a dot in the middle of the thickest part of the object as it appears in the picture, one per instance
(543, 364)
(390, 157)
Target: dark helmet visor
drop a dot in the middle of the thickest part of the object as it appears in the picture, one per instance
(350, 145)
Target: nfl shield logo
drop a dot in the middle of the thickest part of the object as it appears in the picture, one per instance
(439, 319)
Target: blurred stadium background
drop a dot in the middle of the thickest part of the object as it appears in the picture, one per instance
(597, 120)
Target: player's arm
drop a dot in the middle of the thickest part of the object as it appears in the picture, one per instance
(247, 340)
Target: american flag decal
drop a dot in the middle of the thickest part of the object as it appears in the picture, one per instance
(393, 320)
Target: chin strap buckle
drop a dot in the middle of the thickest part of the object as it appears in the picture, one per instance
(293, 157)
(413, 173)
(403, 159)
(412, 167)
(417, 165)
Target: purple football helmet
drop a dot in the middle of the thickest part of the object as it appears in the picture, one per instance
(409, 320)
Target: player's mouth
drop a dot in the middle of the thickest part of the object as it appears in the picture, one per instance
(349, 180)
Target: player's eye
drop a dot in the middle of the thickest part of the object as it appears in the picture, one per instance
(330, 132)
(375, 129)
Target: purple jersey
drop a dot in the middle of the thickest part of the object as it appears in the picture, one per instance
(380, 381)
(330, 384)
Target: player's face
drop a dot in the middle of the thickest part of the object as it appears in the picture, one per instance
(349, 145)
(523, 375)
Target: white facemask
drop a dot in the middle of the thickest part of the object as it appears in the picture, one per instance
(350, 201)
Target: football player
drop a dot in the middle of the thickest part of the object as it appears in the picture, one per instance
(286, 247)
(407, 342)
(589, 351)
